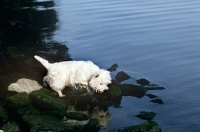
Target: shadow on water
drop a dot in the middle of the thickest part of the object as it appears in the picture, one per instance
(26, 29)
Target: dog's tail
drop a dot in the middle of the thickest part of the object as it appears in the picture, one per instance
(44, 62)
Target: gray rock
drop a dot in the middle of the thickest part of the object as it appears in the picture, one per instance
(24, 85)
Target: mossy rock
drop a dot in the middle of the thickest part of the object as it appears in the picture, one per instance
(150, 126)
(112, 96)
(44, 123)
(19, 100)
(10, 127)
(48, 104)
(3, 114)
(146, 115)
(92, 126)
(76, 116)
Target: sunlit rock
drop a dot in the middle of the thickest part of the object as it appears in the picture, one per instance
(24, 85)
(149, 126)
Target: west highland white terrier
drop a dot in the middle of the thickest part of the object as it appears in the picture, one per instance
(76, 74)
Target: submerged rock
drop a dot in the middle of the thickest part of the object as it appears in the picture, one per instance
(3, 114)
(146, 115)
(10, 127)
(154, 87)
(76, 116)
(151, 96)
(44, 123)
(149, 126)
(113, 68)
(158, 101)
(46, 103)
(24, 85)
(122, 76)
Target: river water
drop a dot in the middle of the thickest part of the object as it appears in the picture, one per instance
(156, 40)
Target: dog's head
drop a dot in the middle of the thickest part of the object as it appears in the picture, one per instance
(100, 80)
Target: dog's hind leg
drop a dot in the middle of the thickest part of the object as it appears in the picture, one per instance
(60, 93)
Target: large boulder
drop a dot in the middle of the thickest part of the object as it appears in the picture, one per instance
(46, 103)
(24, 85)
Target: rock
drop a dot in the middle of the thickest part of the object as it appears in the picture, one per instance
(151, 96)
(3, 114)
(92, 126)
(10, 127)
(143, 81)
(146, 115)
(24, 85)
(132, 90)
(19, 100)
(76, 116)
(113, 68)
(112, 96)
(46, 103)
(159, 101)
(122, 76)
(149, 126)
(154, 87)
(44, 123)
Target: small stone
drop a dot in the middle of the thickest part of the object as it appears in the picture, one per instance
(122, 76)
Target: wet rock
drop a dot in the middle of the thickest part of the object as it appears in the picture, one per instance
(146, 115)
(150, 126)
(10, 127)
(46, 103)
(113, 96)
(158, 101)
(154, 87)
(24, 85)
(122, 76)
(143, 81)
(3, 114)
(19, 100)
(27, 110)
(44, 123)
(113, 68)
(92, 126)
(76, 116)
(151, 96)
(132, 90)
(83, 102)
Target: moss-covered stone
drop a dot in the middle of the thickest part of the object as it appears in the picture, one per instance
(76, 116)
(111, 96)
(3, 114)
(150, 126)
(44, 123)
(10, 127)
(19, 100)
(146, 115)
(48, 104)
(92, 126)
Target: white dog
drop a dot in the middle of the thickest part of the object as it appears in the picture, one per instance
(77, 74)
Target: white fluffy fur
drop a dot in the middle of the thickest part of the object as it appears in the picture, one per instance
(77, 74)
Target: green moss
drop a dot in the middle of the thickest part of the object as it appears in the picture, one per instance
(150, 126)
(3, 114)
(14, 53)
(92, 126)
(19, 100)
(76, 115)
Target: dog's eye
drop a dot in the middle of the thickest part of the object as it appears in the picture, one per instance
(101, 83)
(96, 76)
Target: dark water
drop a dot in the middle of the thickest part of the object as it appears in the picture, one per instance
(157, 40)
